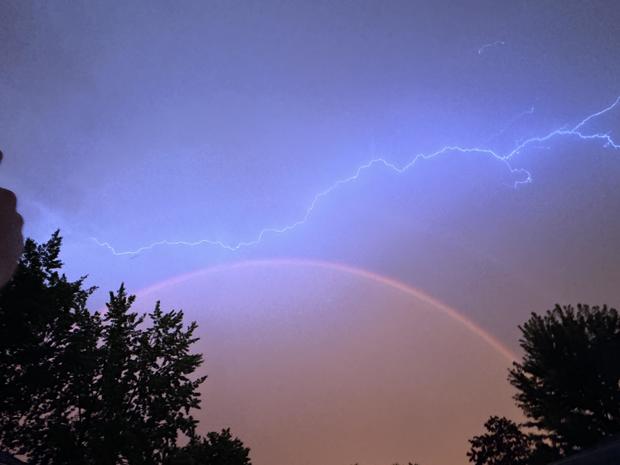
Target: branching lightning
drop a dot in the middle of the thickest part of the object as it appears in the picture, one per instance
(525, 177)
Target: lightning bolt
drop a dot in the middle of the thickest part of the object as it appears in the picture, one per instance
(524, 175)
(497, 43)
(510, 124)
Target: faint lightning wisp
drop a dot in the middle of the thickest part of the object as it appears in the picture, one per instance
(510, 124)
(497, 43)
(525, 178)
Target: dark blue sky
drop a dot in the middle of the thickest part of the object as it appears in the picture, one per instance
(139, 122)
(146, 121)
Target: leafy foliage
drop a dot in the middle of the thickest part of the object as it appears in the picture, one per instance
(503, 443)
(145, 386)
(215, 449)
(48, 358)
(568, 382)
(83, 388)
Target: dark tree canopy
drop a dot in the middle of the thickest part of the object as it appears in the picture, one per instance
(503, 443)
(145, 387)
(47, 358)
(568, 382)
(215, 449)
(79, 388)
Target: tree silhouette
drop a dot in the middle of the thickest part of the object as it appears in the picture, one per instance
(568, 382)
(48, 352)
(78, 388)
(215, 449)
(503, 443)
(144, 386)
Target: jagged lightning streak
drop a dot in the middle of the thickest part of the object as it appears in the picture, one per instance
(510, 124)
(526, 178)
(497, 43)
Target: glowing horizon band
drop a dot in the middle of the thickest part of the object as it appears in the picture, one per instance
(526, 178)
(388, 281)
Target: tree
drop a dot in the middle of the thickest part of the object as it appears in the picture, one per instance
(145, 384)
(503, 443)
(215, 449)
(568, 382)
(48, 351)
(77, 387)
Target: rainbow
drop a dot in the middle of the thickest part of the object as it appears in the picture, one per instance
(352, 271)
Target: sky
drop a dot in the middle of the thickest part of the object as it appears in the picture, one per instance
(289, 128)
(340, 366)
